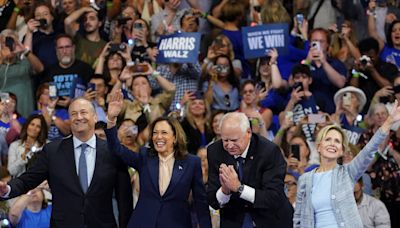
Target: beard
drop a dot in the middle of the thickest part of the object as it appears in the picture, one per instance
(66, 60)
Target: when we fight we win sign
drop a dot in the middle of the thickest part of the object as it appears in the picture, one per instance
(179, 48)
(258, 40)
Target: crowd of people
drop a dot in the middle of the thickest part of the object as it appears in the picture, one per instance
(95, 132)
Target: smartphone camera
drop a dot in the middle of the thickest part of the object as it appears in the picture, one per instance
(52, 91)
(316, 45)
(117, 47)
(138, 26)
(10, 43)
(364, 60)
(43, 23)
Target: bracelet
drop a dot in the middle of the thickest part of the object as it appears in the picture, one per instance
(16, 9)
(206, 60)
(205, 15)
(305, 62)
(279, 133)
(109, 4)
(273, 63)
(110, 121)
(155, 74)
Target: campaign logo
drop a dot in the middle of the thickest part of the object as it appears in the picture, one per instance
(179, 48)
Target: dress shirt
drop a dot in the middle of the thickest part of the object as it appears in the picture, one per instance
(90, 155)
(248, 193)
(166, 166)
(373, 213)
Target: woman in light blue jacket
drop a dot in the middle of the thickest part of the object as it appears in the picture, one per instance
(325, 195)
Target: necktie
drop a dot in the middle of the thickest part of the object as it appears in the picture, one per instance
(247, 221)
(83, 176)
(239, 164)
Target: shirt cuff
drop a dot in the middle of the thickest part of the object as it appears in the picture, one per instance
(222, 198)
(5, 196)
(248, 194)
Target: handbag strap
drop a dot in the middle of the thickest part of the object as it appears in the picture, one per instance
(316, 10)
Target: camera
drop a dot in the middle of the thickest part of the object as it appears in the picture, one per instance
(123, 20)
(364, 60)
(138, 26)
(43, 23)
(10, 43)
(137, 67)
(116, 47)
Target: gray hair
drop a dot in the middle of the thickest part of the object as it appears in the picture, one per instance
(374, 107)
(241, 120)
(92, 107)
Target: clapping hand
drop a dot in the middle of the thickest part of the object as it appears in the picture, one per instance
(228, 178)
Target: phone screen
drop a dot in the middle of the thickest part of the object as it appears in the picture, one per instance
(295, 151)
(52, 91)
(316, 118)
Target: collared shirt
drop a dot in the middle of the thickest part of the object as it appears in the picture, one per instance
(90, 155)
(248, 194)
(373, 213)
(166, 166)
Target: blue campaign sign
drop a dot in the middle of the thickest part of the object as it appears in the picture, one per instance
(179, 48)
(259, 39)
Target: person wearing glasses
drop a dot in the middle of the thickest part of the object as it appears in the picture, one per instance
(221, 86)
(67, 71)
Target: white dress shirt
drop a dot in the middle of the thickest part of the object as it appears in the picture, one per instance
(90, 155)
(248, 194)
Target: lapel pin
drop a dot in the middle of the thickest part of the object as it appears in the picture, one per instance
(251, 157)
(180, 167)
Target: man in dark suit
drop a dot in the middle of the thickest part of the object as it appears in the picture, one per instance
(245, 178)
(82, 175)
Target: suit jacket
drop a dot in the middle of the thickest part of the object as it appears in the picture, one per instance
(171, 209)
(264, 170)
(71, 206)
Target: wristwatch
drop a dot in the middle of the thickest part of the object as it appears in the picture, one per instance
(240, 189)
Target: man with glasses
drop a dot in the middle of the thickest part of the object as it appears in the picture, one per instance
(68, 71)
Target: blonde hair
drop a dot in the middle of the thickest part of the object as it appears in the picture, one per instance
(206, 115)
(230, 53)
(324, 131)
(337, 43)
(273, 11)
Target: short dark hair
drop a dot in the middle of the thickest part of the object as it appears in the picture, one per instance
(63, 35)
(100, 125)
(301, 69)
(368, 44)
(180, 136)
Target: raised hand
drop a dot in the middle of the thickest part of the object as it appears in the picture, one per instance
(115, 105)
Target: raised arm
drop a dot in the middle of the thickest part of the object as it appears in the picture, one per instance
(73, 17)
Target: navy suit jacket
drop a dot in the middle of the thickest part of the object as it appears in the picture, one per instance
(264, 170)
(171, 209)
(71, 206)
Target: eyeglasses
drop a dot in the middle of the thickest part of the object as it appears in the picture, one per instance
(227, 101)
(65, 47)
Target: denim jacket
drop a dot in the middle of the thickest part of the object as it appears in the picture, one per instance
(344, 178)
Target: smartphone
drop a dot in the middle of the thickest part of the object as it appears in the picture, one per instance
(257, 8)
(297, 85)
(138, 26)
(133, 129)
(346, 99)
(316, 45)
(260, 85)
(396, 89)
(91, 86)
(295, 151)
(5, 97)
(139, 68)
(52, 91)
(300, 19)
(339, 23)
(10, 43)
(316, 118)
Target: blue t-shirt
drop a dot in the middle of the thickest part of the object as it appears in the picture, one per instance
(390, 55)
(54, 132)
(293, 56)
(322, 88)
(4, 127)
(275, 101)
(31, 219)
